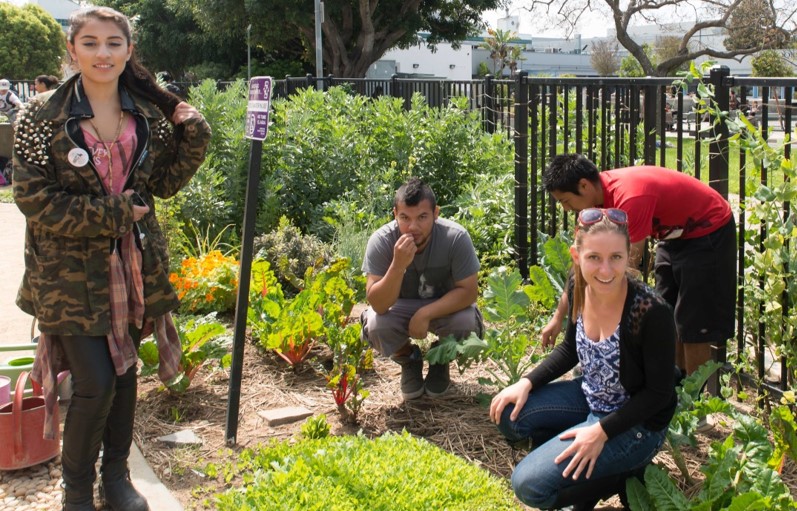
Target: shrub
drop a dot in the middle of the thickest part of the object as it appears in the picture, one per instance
(326, 147)
(394, 472)
(290, 253)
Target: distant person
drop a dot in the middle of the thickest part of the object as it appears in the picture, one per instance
(695, 263)
(43, 83)
(733, 101)
(170, 85)
(422, 276)
(9, 102)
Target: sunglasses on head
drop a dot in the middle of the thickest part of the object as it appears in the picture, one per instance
(591, 216)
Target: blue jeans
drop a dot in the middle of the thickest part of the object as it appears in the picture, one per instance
(550, 411)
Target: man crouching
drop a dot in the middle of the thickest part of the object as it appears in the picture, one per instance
(421, 276)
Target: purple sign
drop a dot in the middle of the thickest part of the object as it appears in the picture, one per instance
(258, 109)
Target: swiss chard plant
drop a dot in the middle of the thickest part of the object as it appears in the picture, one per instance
(350, 358)
(739, 474)
(201, 340)
(291, 327)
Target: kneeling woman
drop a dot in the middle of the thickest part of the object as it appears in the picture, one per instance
(588, 432)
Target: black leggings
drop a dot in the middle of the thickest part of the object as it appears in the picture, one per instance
(101, 411)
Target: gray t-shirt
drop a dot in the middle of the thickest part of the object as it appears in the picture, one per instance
(449, 257)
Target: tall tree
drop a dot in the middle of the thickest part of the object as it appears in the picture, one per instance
(32, 42)
(604, 57)
(709, 14)
(169, 39)
(356, 33)
(753, 24)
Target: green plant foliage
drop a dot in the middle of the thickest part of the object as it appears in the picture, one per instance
(290, 253)
(327, 147)
(332, 157)
(201, 339)
(315, 427)
(507, 341)
(214, 198)
(351, 356)
(488, 213)
(291, 327)
(32, 41)
(548, 279)
(394, 472)
(784, 431)
(741, 471)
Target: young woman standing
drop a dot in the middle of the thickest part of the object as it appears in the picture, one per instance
(88, 159)
(588, 433)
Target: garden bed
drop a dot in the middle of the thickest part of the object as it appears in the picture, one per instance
(456, 423)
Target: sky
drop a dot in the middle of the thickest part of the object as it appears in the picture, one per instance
(590, 25)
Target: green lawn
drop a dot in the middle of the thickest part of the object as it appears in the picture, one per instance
(689, 162)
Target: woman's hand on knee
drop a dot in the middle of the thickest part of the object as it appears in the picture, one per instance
(516, 393)
(586, 447)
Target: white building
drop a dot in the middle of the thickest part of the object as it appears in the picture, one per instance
(541, 55)
(420, 61)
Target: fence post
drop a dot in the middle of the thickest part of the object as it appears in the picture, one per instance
(489, 104)
(328, 82)
(521, 135)
(718, 179)
(718, 148)
(311, 83)
(649, 122)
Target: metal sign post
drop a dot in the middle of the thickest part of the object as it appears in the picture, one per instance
(257, 114)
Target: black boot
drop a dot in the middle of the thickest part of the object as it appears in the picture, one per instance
(116, 490)
(118, 494)
(78, 499)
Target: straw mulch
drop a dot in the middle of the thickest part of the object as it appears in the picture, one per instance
(456, 422)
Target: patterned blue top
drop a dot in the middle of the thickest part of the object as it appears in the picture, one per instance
(600, 364)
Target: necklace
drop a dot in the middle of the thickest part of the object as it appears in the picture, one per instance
(107, 149)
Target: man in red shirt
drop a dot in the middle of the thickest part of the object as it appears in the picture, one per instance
(695, 265)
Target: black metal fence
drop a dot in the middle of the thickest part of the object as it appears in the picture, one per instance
(619, 122)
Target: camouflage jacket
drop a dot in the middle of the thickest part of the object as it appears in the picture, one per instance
(73, 224)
